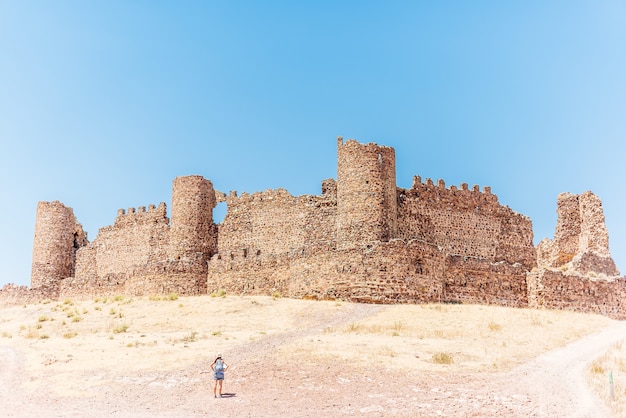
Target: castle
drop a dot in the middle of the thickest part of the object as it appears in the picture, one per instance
(362, 239)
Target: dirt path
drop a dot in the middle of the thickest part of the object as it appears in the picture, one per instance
(552, 385)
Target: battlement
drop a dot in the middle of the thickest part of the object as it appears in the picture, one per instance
(153, 214)
(453, 192)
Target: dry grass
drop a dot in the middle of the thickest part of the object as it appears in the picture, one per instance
(477, 338)
(175, 335)
(611, 364)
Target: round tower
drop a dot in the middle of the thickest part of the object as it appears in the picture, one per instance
(57, 237)
(367, 208)
(192, 235)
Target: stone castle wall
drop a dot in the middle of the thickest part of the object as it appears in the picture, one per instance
(465, 222)
(136, 238)
(363, 239)
(275, 222)
(479, 281)
(553, 289)
(390, 272)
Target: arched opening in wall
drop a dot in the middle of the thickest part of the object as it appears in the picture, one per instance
(219, 212)
(419, 269)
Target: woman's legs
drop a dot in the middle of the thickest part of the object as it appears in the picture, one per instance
(219, 382)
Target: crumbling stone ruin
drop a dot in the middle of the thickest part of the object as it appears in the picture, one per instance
(362, 239)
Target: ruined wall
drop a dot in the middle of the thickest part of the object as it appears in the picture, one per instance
(363, 239)
(552, 289)
(136, 238)
(12, 294)
(465, 222)
(142, 254)
(478, 281)
(581, 240)
(132, 256)
(57, 237)
(275, 222)
(366, 194)
(392, 272)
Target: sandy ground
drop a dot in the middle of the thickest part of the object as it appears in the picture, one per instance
(291, 358)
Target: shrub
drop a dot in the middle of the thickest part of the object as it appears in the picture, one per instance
(398, 326)
(353, 327)
(276, 295)
(442, 358)
(31, 333)
(191, 337)
(494, 327)
(120, 329)
(220, 293)
(172, 296)
(43, 318)
(118, 298)
(596, 368)
(70, 334)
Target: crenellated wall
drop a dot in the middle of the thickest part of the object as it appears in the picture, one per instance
(141, 253)
(465, 222)
(136, 238)
(362, 239)
(275, 222)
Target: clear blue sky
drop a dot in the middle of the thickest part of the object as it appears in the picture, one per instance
(103, 103)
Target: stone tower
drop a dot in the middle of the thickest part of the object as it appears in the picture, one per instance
(367, 208)
(192, 236)
(580, 238)
(57, 237)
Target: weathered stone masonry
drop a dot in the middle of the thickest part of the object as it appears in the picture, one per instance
(363, 239)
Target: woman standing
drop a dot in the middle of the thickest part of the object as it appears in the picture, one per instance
(218, 366)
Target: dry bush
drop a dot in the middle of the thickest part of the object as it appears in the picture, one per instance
(442, 358)
(120, 329)
(611, 364)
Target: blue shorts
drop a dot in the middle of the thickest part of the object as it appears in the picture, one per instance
(218, 375)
